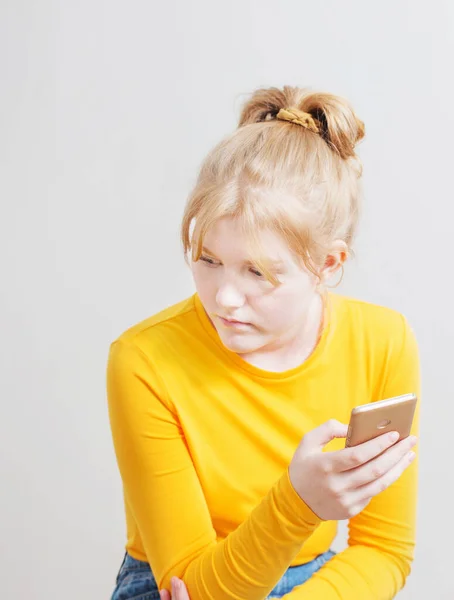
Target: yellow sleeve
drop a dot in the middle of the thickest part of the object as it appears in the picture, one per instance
(382, 537)
(167, 502)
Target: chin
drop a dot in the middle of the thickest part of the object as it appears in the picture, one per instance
(241, 344)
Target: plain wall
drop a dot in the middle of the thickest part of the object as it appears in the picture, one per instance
(106, 111)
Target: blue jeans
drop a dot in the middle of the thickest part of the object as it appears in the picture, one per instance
(135, 580)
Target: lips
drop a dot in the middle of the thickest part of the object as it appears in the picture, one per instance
(232, 321)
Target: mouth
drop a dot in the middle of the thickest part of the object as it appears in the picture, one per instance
(233, 323)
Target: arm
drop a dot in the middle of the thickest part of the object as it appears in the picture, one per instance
(168, 505)
(381, 537)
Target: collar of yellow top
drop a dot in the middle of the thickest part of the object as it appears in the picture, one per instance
(319, 354)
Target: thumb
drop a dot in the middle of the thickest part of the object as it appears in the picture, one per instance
(323, 434)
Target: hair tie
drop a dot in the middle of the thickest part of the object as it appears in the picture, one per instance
(299, 117)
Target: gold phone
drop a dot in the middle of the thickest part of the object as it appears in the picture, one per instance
(368, 421)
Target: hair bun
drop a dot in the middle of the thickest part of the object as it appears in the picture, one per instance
(337, 122)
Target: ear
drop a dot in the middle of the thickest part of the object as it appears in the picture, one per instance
(334, 260)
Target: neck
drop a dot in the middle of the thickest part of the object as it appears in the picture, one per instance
(294, 349)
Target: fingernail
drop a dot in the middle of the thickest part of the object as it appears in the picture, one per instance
(411, 456)
(413, 440)
(394, 436)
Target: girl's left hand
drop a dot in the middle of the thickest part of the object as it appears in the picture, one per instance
(179, 591)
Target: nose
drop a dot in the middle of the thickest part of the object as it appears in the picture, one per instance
(229, 296)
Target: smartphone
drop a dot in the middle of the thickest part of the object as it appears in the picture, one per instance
(368, 421)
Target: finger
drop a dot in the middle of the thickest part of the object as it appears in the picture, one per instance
(382, 483)
(164, 595)
(174, 587)
(323, 434)
(380, 465)
(179, 590)
(350, 458)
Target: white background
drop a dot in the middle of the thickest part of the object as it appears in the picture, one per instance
(107, 109)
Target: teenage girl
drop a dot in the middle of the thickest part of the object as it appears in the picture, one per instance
(229, 409)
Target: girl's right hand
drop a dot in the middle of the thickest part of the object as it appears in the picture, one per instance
(338, 485)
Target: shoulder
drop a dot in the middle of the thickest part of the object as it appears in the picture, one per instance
(168, 327)
(368, 312)
(164, 316)
(147, 349)
(381, 344)
(373, 324)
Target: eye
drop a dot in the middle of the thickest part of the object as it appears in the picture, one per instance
(257, 273)
(208, 260)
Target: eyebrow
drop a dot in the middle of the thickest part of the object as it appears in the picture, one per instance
(274, 263)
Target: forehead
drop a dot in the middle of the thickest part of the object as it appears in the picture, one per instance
(228, 238)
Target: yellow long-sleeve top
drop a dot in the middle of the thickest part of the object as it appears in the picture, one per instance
(203, 441)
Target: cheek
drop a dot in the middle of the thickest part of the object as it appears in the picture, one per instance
(286, 304)
(205, 284)
(200, 280)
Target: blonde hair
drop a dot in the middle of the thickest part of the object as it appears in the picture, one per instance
(282, 175)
